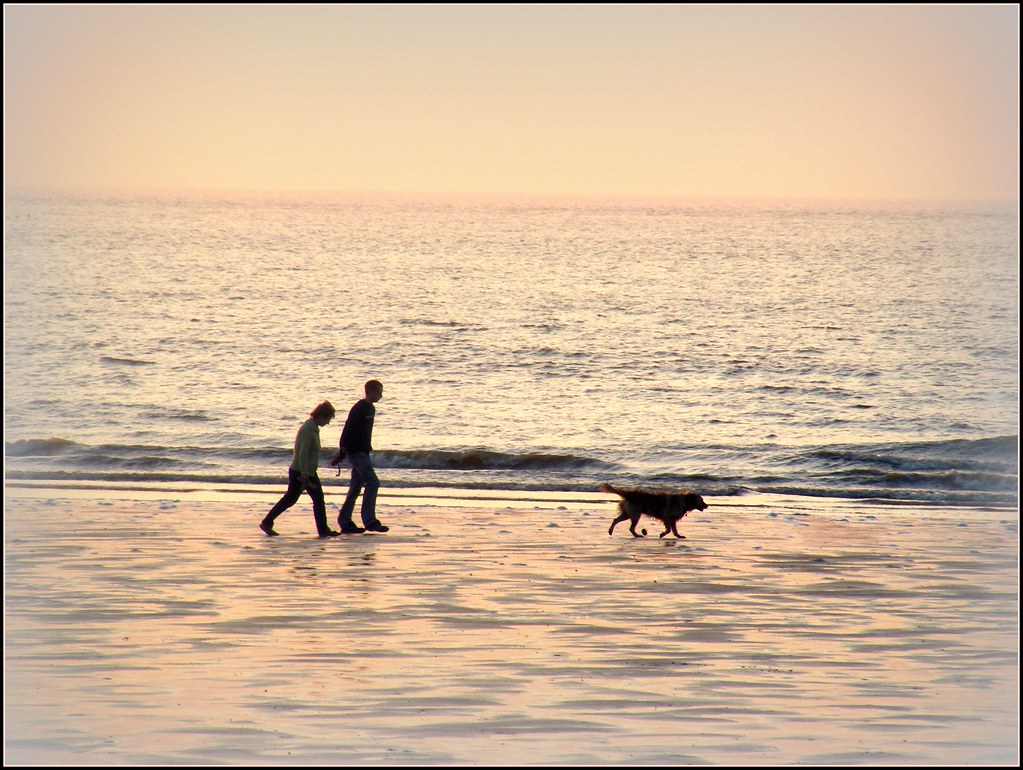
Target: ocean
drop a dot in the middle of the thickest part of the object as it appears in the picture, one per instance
(865, 351)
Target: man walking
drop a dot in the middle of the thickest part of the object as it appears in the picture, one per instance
(355, 445)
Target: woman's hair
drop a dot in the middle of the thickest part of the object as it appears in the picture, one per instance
(326, 409)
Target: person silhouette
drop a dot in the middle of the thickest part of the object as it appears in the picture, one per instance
(302, 473)
(355, 446)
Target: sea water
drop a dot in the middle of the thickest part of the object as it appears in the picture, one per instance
(856, 350)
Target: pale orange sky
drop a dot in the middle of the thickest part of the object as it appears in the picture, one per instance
(848, 101)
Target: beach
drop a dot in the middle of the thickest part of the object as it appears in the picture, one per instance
(769, 256)
(142, 628)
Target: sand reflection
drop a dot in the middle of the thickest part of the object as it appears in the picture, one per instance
(177, 633)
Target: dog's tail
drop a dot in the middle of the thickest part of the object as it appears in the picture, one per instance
(605, 487)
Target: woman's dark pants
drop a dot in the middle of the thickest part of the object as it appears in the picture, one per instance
(294, 492)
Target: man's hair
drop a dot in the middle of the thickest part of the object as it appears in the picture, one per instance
(374, 385)
(326, 409)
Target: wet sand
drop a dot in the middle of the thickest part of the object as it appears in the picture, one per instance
(781, 631)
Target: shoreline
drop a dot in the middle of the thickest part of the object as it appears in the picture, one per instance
(169, 630)
(459, 497)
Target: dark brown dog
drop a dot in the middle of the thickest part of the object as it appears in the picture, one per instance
(667, 507)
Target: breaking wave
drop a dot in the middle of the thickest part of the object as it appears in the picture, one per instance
(955, 472)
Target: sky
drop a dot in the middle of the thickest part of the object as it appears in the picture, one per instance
(914, 102)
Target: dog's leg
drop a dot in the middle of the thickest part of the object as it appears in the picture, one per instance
(665, 532)
(632, 527)
(674, 529)
(622, 517)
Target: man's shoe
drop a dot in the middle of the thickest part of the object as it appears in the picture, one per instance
(329, 533)
(268, 528)
(376, 526)
(351, 528)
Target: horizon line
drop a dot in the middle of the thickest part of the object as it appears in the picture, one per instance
(321, 193)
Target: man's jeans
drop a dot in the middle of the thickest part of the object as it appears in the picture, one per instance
(363, 476)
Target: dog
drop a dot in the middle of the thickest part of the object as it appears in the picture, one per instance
(667, 507)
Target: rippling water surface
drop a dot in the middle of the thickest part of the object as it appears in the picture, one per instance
(864, 350)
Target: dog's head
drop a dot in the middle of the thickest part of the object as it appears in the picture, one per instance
(693, 502)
